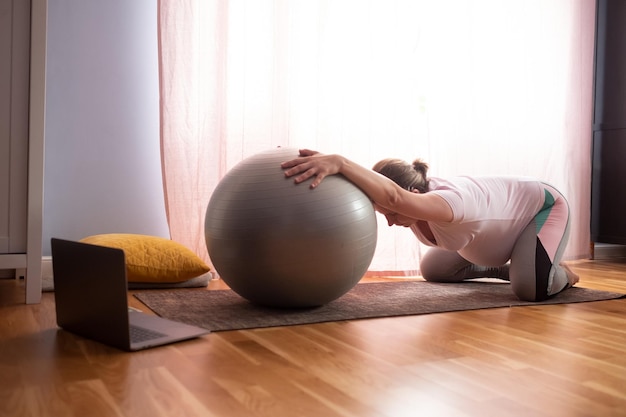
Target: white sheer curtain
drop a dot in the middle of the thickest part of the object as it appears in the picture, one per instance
(471, 86)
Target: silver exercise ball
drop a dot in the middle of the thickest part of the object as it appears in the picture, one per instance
(279, 244)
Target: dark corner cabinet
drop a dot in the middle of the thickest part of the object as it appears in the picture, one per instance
(608, 185)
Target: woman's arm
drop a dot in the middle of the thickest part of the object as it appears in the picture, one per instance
(380, 189)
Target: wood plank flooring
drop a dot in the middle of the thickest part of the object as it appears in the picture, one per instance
(553, 361)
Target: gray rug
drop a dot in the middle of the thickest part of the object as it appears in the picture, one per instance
(219, 310)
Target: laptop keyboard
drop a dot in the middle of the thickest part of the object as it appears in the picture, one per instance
(140, 334)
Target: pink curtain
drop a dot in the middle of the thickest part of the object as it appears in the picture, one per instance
(472, 86)
(192, 46)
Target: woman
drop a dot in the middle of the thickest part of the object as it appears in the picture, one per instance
(499, 227)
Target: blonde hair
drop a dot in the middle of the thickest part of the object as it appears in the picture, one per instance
(408, 176)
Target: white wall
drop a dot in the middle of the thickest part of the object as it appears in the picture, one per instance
(102, 172)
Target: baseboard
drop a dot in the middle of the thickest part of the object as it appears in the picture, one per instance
(601, 251)
(46, 267)
(608, 251)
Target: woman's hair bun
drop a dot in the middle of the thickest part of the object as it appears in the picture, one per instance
(421, 167)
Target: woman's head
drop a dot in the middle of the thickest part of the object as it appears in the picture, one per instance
(408, 176)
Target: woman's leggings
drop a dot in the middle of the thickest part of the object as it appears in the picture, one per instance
(533, 270)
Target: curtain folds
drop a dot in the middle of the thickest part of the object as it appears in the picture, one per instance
(471, 86)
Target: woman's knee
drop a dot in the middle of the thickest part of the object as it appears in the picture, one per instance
(439, 265)
(432, 274)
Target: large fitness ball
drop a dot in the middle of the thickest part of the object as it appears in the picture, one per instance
(279, 244)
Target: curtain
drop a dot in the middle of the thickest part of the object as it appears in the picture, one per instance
(474, 87)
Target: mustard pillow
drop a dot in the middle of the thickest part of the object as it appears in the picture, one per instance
(153, 259)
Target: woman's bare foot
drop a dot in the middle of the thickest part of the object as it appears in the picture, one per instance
(571, 276)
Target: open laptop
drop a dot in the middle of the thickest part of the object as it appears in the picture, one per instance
(90, 289)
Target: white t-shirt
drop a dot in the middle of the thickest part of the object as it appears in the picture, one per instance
(489, 215)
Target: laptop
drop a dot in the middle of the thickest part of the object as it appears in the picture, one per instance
(90, 290)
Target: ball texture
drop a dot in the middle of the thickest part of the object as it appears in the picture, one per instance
(281, 244)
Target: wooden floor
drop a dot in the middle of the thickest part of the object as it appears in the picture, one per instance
(561, 361)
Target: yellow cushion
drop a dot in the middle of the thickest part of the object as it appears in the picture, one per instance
(153, 259)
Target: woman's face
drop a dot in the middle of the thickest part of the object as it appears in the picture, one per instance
(394, 219)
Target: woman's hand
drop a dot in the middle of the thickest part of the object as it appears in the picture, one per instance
(312, 164)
